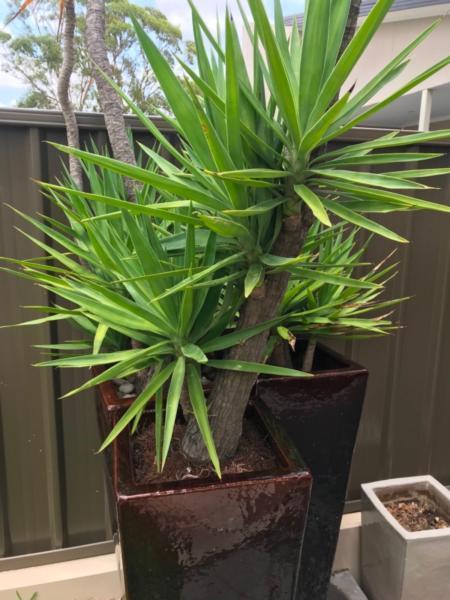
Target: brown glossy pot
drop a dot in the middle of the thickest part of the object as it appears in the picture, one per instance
(321, 415)
(234, 539)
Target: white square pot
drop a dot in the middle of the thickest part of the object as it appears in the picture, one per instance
(397, 564)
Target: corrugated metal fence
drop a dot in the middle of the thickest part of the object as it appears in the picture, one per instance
(52, 490)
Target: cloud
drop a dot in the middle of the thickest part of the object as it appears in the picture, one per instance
(178, 12)
(11, 89)
(293, 7)
(8, 81)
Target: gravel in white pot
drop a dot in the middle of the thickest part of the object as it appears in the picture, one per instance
(398, 564)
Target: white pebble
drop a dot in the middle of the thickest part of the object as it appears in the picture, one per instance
(126, 388)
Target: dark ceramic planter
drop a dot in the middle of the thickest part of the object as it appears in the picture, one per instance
(321, 415)
(235, 539)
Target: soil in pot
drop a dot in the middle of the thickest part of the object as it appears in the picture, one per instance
(254, 454)
(416, 512)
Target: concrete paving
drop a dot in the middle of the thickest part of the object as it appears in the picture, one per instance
(344, 587)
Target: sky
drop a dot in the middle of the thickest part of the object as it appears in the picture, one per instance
(177, 11)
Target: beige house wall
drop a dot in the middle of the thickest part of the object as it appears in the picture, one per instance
(398, 30)
(391, 39)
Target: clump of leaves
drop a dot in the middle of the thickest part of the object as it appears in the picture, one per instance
(337, 294)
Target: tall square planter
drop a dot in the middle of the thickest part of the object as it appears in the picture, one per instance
(321, 415)
(208, 539)
(398, 564)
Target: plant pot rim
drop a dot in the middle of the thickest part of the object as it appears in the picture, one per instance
(290, 464)
(371, 489)
(349, 367)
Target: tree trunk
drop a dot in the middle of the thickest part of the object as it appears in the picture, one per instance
(352, 22)
(282, 355)
(110, 102)
(310, 351)
(231, 390)
(112, 107)
(73, 136)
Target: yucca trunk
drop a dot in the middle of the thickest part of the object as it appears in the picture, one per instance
(231, 391)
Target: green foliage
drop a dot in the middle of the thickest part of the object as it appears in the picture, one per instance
(33, 53)
(33, 597)
(173, 270)
(327, 295)
(165, 281)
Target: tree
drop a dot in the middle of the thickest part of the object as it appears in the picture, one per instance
(34, 53)
(63, 88)
(67, 18)
(110, 102)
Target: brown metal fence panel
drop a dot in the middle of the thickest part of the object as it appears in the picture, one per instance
(52, 482)
(404, 428)
(32, 514)
(405, 424)
(52, 492)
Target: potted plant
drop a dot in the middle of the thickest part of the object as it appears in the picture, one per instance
(405, 536)
(322, 414)
(263, 492)
(183, 288)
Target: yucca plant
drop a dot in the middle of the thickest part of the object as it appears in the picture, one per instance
(335, 295)
(200, 273)
(129, 283)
